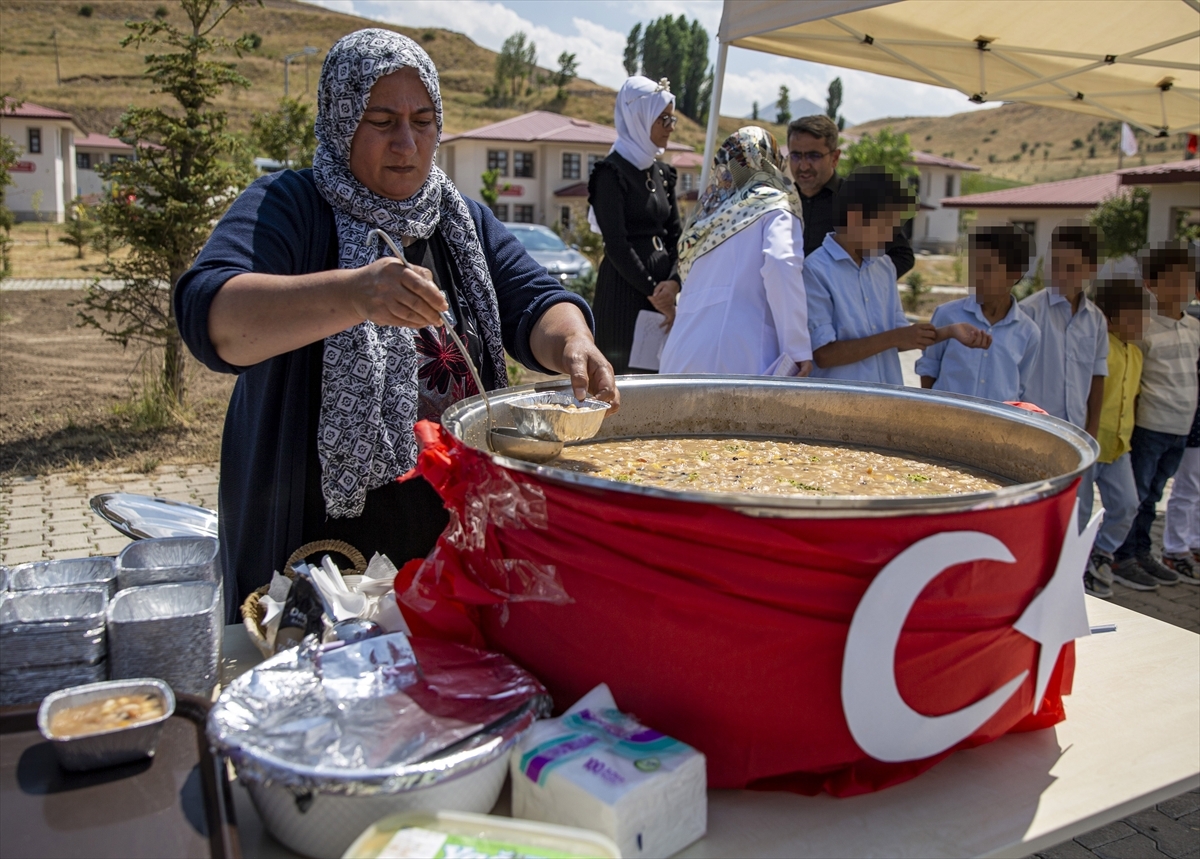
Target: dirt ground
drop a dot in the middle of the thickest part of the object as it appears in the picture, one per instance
(66, 396)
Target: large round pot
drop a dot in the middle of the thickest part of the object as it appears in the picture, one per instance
(724, 619)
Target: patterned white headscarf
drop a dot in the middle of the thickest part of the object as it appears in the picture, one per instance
(369, 378)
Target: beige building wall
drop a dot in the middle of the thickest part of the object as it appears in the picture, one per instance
(465, 161)
(937, 230)
(54, 168)
(1165, 203)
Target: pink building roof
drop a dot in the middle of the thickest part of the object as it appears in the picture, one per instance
(29, 110)
(1161, 174)
(687, 160)
(1086, 192)
(99, 141)
(542, 126)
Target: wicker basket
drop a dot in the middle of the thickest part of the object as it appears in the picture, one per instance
(253, 612)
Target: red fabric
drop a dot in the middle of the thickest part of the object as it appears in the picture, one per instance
(727, 631)
(1192, 143)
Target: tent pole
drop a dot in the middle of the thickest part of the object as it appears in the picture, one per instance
(714, 114)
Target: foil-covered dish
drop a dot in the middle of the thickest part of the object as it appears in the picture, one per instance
(554, 416)
(65, 573)
(374, 717)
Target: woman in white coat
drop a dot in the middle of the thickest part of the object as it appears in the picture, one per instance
(742, 309)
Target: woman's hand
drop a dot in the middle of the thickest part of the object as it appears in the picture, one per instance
(562, 341)
(388, 292)
(663, 299)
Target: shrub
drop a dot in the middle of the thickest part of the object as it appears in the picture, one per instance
(86, 10)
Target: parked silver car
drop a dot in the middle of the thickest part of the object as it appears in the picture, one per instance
(563, 262)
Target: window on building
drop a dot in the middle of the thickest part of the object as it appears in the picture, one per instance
(500, 210)
(522, 214)
(35, 141)
(687, 181)
(592, 159)
(523, 165)
(570, 167)
(498, 160)
(115, 157)
(950, 185)
(1030, 227)
(564, 217)
(83, 160)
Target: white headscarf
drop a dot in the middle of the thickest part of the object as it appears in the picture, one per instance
(640, 102)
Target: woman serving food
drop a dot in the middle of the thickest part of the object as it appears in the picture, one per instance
(337, 344)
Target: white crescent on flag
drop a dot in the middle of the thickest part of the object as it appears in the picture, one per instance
(881, 722)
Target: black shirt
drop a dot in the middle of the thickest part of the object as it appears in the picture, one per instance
(819, 221)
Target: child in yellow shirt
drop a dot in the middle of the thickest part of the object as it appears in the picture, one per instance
(1125, 305)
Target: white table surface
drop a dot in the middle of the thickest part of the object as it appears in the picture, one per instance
(1130, 740)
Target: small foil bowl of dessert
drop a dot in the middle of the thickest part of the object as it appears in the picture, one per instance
(105, 724)
(556, 416)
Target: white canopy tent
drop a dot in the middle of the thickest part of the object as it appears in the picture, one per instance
(1137, 61)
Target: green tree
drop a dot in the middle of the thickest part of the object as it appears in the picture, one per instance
(182, 180)
(833, 103)
(9, 155)
(568, 70)
(1123, 220)
(783, 106)
(676, 49)
(78, 228)
(514, 68)
(491, 188)
(754, 111)
(287, 134)
(633, 51)
(886, 149)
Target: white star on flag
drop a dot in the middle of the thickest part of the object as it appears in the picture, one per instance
(1058, 613)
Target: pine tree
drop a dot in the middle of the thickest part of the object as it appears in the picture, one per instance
(166, 199)
(783, 107)
(633, 51)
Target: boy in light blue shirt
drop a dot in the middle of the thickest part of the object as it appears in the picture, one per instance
(1068, 376)
(854, 317)
(997, 256)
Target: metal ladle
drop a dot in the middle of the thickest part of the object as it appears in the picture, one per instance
(506, 441)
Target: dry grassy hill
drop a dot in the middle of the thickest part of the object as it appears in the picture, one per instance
(100, 78)
(1027, 143)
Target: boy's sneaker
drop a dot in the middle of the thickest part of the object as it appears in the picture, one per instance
(1130, 574)
(1161, 574)
(1096, 587)
(1100, 566)
(1183, 567)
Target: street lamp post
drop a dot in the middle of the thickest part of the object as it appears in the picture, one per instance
(308, 51)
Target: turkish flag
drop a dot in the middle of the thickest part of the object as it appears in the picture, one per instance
(727, 631)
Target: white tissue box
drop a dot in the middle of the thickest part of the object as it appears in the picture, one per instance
(599, 769)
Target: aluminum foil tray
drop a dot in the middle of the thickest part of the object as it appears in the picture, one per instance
(558, 417)
(171, 632)
(50, 627)
(65, 573)
(30, 685)
(167, 559)
(92, 751)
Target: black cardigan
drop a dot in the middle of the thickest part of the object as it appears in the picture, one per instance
(282, 225)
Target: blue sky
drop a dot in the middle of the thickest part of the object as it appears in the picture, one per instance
(595, 32)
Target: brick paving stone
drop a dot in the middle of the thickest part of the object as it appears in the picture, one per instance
(112, 545)
(24, 540)
(1173, 838)
(25, 524)
(12, 557)
(1066, 850)
(1105, 834)
(1181, 805)
(1134, 847)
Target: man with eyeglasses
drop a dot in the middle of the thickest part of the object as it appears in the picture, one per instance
(813, 157)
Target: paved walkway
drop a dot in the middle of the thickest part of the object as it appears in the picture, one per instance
(21, 284)
(49, 517)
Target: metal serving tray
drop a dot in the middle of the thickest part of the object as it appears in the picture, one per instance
(176, 804)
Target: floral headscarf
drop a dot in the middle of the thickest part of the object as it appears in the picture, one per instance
(748, 179)
(369, 385)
